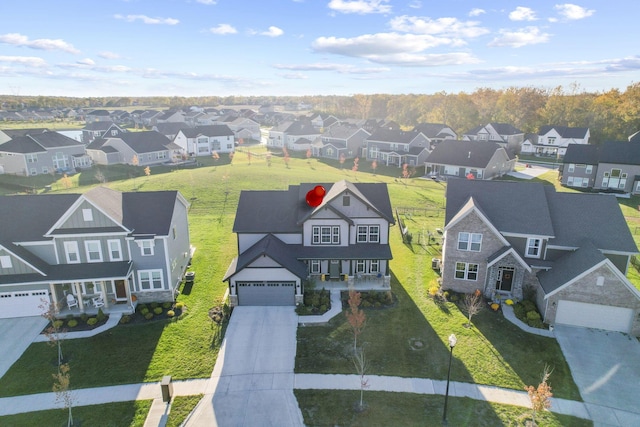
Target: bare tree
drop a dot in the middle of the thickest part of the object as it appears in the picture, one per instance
(61, 387)
(540, 396)
(355, 316)
(53, 331)
(472, 304)
(361, 364)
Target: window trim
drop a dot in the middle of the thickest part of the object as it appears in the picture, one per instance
(467, 271)
(150, 280)
(142, 244)
(314, 266)
(87, 251)
(325, 235)
(71, 247)
(111, 257)
(529, 246)
(473, 242)
(364, 233)
(5, 261)
(87, 215)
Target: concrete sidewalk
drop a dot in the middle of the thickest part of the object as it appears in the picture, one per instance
(111, 322)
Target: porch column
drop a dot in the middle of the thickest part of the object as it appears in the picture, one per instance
(78, 292)
(52, 289)
(103, 292)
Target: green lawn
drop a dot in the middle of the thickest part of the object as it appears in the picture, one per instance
(336, 408)
(181, 407)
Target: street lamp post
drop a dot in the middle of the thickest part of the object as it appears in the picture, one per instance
(452, 343)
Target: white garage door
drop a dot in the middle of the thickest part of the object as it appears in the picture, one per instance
(266, 293)
(22, 304)
(594, 316)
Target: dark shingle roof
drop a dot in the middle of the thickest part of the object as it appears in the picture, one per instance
(145, 142)
(582, 154)
(148, 212)
(393, 135)
(22, 145)
(624, 153)
(54, 140)
(565, 131)
(12, 133)
(430, 130)
(569, 266)
(476, 154)
(103, 125)
(208, 130)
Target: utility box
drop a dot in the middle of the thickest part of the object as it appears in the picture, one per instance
(190, 276)
(435, 264)
(167, 388)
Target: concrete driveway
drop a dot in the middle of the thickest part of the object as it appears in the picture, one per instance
(252, 381)
(606, 368)
(16, 335)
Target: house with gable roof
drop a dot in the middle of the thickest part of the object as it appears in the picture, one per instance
(394, 147)
(571, 249)
(204, 140)
(148, 147)
(117, 248)
(552, 141)
(436, 132)
(477, 159)
(505, 134)
(283, 242)
(340, 140)
(100, 129)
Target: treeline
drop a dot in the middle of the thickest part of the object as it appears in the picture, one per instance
(610, 115)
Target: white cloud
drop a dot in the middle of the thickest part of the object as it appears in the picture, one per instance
(523, 14)
(148, 20)
(294, 76)
(415, 4)
(108, 55)
(272, 32)
(86, 61)
(31, 61)
(207, 2)
(223, 29)
(361, 7)
(41, 44)
(519, 38)
(340, 68)
(450, 27)
(573, 12)
(476, 12)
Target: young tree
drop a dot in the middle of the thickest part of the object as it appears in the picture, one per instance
(267, 157)
(286, 157)
(66, 181)
(472, 304)
(231, 157)
(374, 166)
(355, 165)
(540, 396)
(355, 316)
(342, 159)
(361, 364)
(249, 156)
(53, 332)
(147, 171)
(100, 177)
(61, 383)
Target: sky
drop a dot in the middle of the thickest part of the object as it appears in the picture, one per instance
(314, 47)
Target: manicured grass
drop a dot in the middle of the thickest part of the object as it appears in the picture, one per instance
(181, 407)
(333, 408)
(120, 414)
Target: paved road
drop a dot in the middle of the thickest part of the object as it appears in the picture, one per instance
(606, 368)
(252, 382)
(16, 335)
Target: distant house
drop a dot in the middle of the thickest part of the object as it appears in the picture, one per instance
(100, 129)
(395, 147)
(289, 132)
(436, 132)
(552, 141)
(42, 153)
(205, 140)
(171, 116)
(98, 116)
(8, 134)
(571, 250)
(465, 159)
(170, 130)
(507, 135)
(340, 140)
(147, 148)
(244, 128)
(320, 121)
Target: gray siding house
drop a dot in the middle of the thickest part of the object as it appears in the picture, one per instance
(148, 148)
(283, 242)
(508, 136)
(122, 248)
(476, 159)
(571, 249)
(340, 140)
(391, 146)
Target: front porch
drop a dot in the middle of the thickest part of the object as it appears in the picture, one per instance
(89, 310)
(88, 297)
(359, 282)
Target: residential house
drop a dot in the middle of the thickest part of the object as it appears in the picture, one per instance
(98, 116)
(287, 134)
(100, 129)
(149, 118)
(171, 116)
(395, 147)
(170, 130)
(101, 249)
(283, 242)
(146, 148)
(8, 134)
(470, 159)
(321, 121)
(244, 129)
(205, 140)
(42, 153)
(504, 134)
(552, 141)
(436, 132)
(572, 250)
(338, 141)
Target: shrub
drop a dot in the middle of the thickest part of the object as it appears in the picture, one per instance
(366, 304)
(303, 310)
(536, 324)
(153, 305)
(179, 305)
(92, 321)
(100, 316)
(125, 319)
(84, 317)
(167, 305)
(72, 323)
(529, 305)
(141, 307)
(323, 308)
(57, 324)
(157, 310)
(433, 290)
(533, 315)
(148, 316)
(171, 313)
(144, 311)
(519, 311)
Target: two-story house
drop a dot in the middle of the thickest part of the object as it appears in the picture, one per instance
(42, 153)
(146, 148)
(295, 135)
(572, 250)
(552, 141)
(505, 134)
(470, 159)
(116, 247)
(436, 132)
(205, 140)
(100, 129)
(394, 147)
(340, 140)
(283, 241)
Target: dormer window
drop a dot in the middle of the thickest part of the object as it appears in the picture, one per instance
(534, 247)
(87, 215)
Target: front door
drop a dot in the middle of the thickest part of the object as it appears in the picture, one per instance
(334, 269)
(121, 290)
(505, 279)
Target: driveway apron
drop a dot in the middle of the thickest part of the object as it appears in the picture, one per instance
(16, 335)
(252, 381)
(606, 368)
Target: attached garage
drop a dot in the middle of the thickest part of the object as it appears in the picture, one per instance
(266, 293)
(23, 303)
(595, 316)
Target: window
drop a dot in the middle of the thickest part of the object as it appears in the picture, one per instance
(150, 280)
(533, 247)
(589, 169)
(552, 140)
(87, 214)
(5, 261)
(469, 241)
(32, 158)
(115, 250)
(146, 247)
(368, 233)
(92, 248)
(466, 271)
(325, 235)
(572, 167)
(315, 266)
(360, 266)
(114, 132)
(346, 201)
(71, 252)
(174, 232)
(374, 266)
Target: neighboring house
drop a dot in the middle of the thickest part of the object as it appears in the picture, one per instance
(571, 249)
(320, 121)
(124, 248)
(436, 132)
(286, 134)
(244, 128)
(205, 140)
(282, 242)
(611, 166)
(100, 129)
(394, 147)
(42, 153)
(8, 134)
(148, 147)
(98, 116)
(170, 130)
(634, 137)
(149, 117)
(552, 141)
(340, 140)
(504, 134)
(479, 159)
(170, 116)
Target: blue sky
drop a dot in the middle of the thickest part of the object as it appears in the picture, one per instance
(311, 47)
